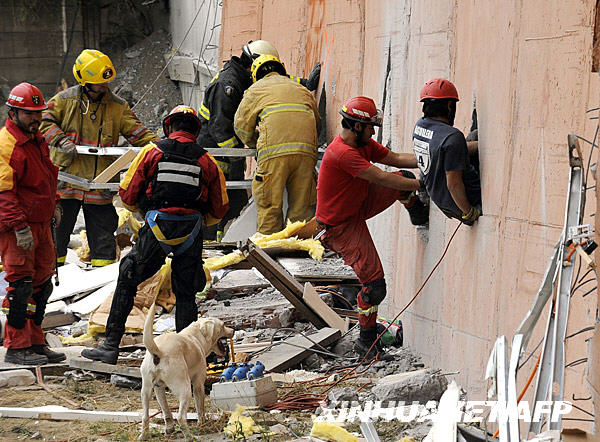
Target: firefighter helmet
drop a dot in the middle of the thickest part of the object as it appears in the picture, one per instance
(254, 49)
(179, 111)
(437, 89)
(265, 64)
(94, 67)
(27, 97)
(362, 110)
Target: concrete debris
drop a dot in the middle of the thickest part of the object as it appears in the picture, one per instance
(16, 378)
(125, 382)
(420, 386)
(348, 394)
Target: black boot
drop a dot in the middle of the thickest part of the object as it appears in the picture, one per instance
(108, 352)
(365, 341)
(120, 308)
(24, 356)
(53, 356)
(418, 212)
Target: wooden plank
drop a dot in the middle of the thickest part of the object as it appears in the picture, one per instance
(287, 354)
(281, 280)
(312, 298)
(59, 413)
(118, 165)
(58, 319)
(101, 367)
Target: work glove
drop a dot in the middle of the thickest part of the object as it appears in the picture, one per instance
(67, 146)
(57, 215)
(24, 238)
(67, 150)
(313, 79)
(471, 216)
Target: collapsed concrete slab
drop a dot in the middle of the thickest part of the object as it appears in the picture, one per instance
(420, 386)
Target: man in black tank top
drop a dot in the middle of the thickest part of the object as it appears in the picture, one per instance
(442, 154)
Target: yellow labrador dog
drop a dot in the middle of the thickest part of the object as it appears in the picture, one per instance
(178, 361)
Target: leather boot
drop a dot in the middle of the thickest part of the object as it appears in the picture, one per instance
(361, 346)
(121, 306)
(24, 356)
(108, 352)
(53, 356)
(418, 212)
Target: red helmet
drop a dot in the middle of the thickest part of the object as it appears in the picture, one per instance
(27, 97)
(180, 111)
(362, 110)
(439, 88)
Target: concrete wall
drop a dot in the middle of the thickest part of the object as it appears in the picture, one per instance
(529, 66)
(200, 61)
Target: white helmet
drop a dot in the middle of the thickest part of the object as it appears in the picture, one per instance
(259, 47)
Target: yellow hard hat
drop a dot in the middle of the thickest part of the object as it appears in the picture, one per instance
(265, 64)
(259, 47)
(92, 66)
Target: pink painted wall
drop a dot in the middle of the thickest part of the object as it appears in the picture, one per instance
(531, 93)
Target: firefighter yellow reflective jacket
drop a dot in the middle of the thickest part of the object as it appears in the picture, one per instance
(71, 114)
(286, 115)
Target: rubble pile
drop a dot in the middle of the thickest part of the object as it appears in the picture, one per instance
(142, 82)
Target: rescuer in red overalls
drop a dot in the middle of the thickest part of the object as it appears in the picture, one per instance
(28, 202)
(350, 191)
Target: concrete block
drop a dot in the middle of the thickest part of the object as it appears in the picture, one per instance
(420, 386)
(251, 393)
(16, 378)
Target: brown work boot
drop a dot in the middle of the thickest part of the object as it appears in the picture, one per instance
(24, 356)
(53, 356)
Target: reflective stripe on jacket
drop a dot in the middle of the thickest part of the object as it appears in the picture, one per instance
(27, 179)
(286, 114)
(71, 114)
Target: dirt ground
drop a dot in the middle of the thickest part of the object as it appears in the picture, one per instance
(99, 394)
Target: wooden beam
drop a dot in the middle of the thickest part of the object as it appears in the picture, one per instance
(293, 350)
(101, 367)
(118, 165)
(281, 280)
(312, 298)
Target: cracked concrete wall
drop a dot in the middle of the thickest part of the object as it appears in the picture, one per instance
(529, 66)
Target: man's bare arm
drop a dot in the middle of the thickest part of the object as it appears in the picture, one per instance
(375, 175)
(400, 160)
(456, 186)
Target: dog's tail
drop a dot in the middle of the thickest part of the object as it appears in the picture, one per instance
(149, 334)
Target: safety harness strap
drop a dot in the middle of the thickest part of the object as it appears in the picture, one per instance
(177, 246)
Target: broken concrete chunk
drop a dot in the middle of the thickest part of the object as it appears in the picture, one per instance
(420, 386)
(125, 382)
(348, 394)
(16, 378)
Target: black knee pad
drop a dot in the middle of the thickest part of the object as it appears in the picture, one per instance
(41, 299)
(374, 292)
(128, 271)
(18, 297)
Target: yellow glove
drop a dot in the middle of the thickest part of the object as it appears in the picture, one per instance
(471, 216)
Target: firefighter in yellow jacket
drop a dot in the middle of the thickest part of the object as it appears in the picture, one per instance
(286, 141)
(89, 115)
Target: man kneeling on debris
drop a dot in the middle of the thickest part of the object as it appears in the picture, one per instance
(178, 186)
(442, 154)
(350, 191)
(28, 204)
